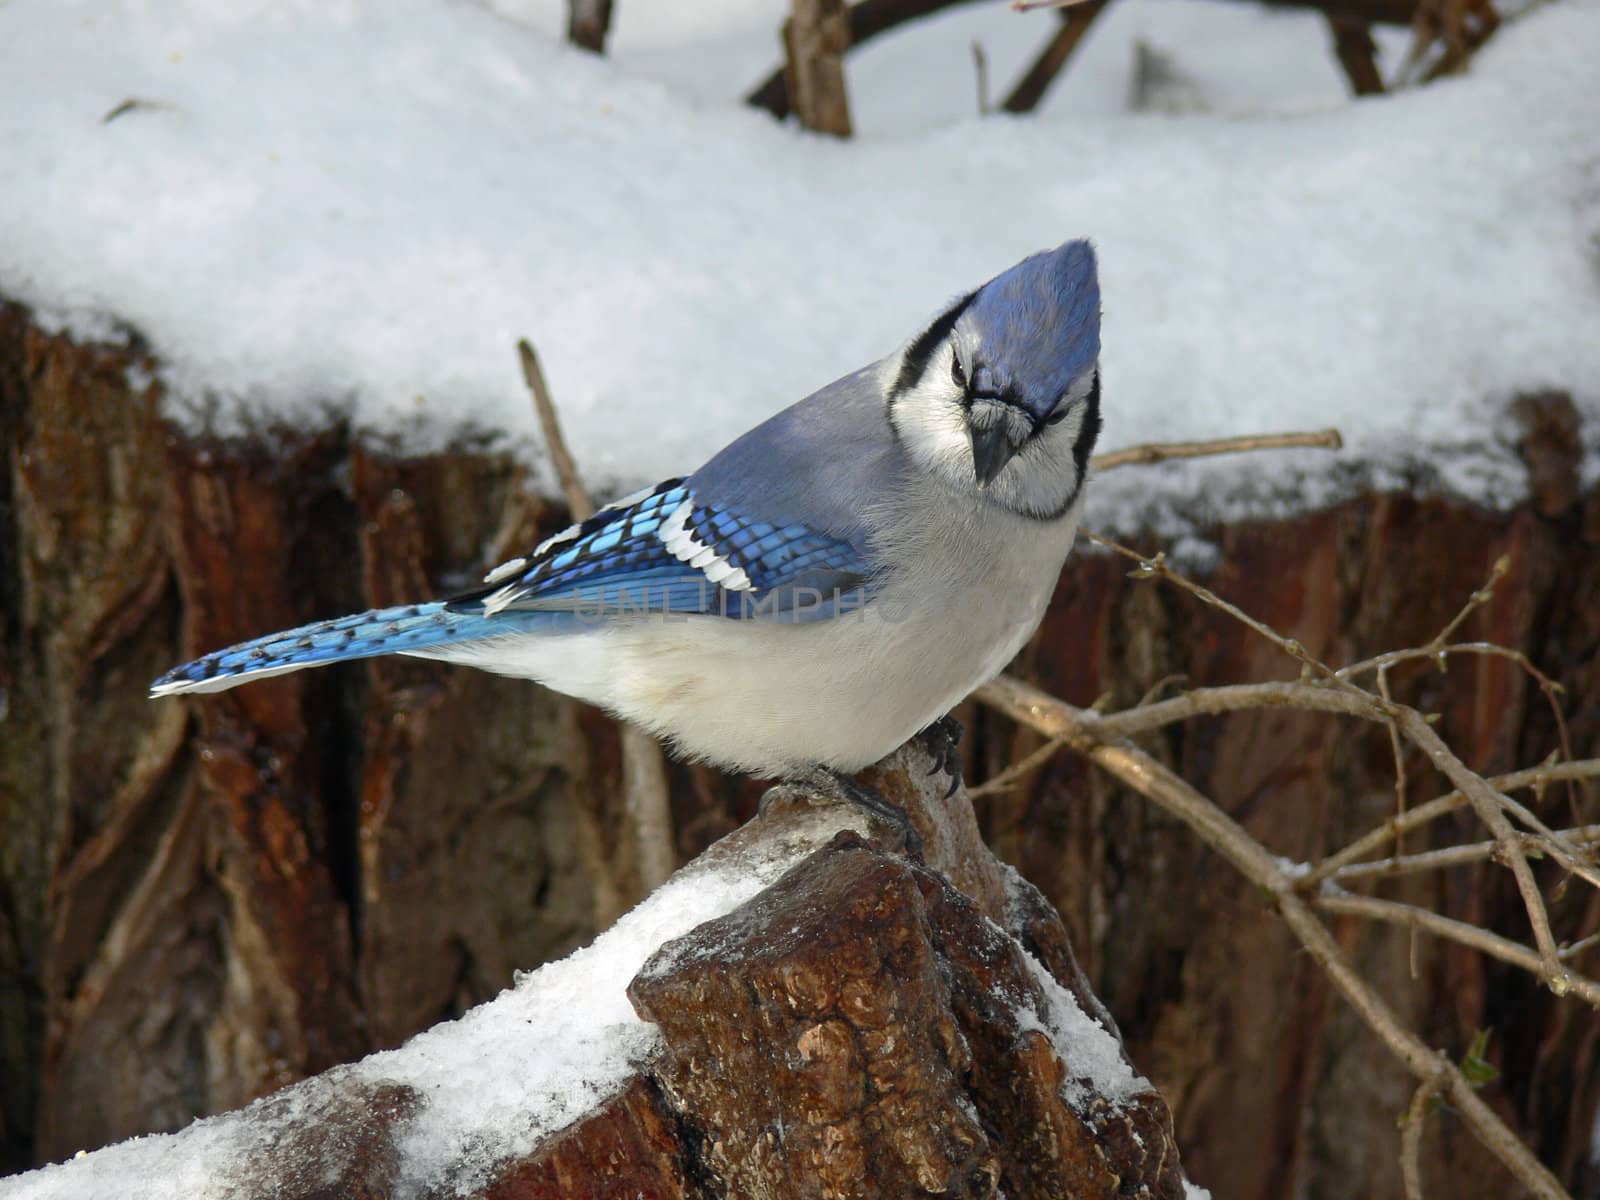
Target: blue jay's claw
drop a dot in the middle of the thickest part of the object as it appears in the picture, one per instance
(875, 804)
(942, 740)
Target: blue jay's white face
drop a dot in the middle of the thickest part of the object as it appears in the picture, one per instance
(968, 419)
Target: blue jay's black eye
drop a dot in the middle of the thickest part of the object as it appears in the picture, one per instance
(958, 375)
(1057, 417)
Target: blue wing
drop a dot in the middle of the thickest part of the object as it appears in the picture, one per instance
(663, 551)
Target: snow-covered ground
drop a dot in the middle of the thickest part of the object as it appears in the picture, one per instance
(362, 204)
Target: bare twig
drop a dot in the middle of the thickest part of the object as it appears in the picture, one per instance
(1323, 689)
(868, 19)
(1076, 17)
(980, 66)
(1411, 1129)
(1409, 916)
(1399, 761)
(1085, 732)
(1485, 801)
(1318, 697)
(1017, 771)
(644, 772)
(1578, 947)
(1440, 651)
(1489, 806)
(578, 502)
(1157, 567)
(1155, 452)
(1375, 840)
(1449, 856)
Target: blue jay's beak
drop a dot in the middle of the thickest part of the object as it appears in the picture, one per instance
(992, 449)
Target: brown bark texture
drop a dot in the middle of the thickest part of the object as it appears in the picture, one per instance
(203, 901)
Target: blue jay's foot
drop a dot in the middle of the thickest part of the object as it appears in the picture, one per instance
(847, 788)
(942, 739)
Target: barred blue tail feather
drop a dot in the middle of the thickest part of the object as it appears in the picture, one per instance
(401, 630)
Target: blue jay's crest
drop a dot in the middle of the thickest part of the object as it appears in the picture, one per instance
(1035, 328)
(1039, 325)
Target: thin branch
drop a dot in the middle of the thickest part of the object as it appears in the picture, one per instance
(1476, 601)
(1155, 452)
(1578, 947)
(1085, 733)
(646, 794)
(1485, 801)
(1156, 567)
(1440, 651)
(1449, 856)
(1319, 697)
(1489, 806)
(578, 502)
(980, 66)
(1017, 771)
(1411, 1130)
(1409, 916)
(1076, 17)
(1399, 760)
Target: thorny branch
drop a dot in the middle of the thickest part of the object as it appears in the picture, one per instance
(1299, 893)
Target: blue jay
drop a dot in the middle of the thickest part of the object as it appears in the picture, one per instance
(829, 584)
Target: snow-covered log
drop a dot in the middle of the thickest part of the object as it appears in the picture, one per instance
(814, 1013)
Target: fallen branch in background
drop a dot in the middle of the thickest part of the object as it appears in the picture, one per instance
(1076, 17)
(644, 769)
(1297, 890)
(1154, 452)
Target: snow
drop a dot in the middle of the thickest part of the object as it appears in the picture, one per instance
(357, 207)
(542, 1054)
(1090, 1051)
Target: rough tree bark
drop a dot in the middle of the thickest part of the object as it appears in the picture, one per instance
(200, 903)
